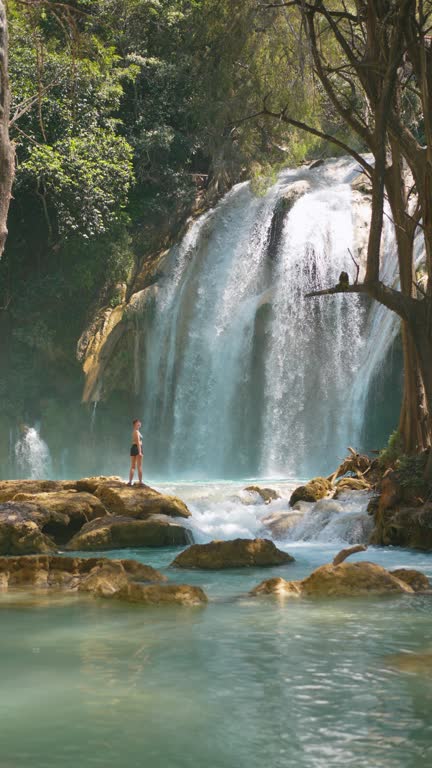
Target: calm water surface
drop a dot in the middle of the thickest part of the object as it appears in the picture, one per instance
(241, 683)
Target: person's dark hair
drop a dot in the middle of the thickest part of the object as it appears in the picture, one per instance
(134, 422)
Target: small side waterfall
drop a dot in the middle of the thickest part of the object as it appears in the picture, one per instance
(32, 455)
(243, 375)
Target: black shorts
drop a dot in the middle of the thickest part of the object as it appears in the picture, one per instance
(134, 451)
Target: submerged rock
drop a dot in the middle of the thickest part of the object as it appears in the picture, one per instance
(140, 502)
(413, 663)
(180, 594)
(117, 532)
(344, 580)
(72, 573)
(100, 577)
(267, 494)
(238, 553)
(281, 523)
(314, 490)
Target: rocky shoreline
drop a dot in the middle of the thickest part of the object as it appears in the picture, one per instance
(41, 521)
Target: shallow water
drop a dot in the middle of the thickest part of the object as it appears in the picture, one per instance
(241, 683)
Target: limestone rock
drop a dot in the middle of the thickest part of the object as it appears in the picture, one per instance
(10, 488)
(294, 192)
(329, 507)
(140, 502)
(280, 523)
(180, 594)
(344, 580)
(416, 579)
(238, 553)
(362, 183)
(90, 484)
(20, 529)
(105, 580)
(74, 510)
(267, 494)
(96, 575)
(277, 586)
(314, 490)
(352, 579)
(118, 532)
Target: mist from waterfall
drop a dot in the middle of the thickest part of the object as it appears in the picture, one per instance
(32, 455)
(243, 375)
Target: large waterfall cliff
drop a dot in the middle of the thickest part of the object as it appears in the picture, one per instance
(237, 373)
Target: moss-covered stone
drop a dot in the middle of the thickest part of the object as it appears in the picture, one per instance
(315, 489)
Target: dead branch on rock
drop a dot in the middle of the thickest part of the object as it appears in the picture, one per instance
(344, 553)
(357, 463)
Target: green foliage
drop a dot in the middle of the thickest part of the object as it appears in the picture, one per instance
(410, 471)
(117, 109)
(392, 452)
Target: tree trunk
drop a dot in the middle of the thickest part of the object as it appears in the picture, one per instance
(414, 424)
(7, 158)
(420, 327)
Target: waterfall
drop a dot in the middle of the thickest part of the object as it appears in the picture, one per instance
(32, 455)
(242, 375)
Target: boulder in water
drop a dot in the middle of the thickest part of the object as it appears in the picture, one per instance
(281, 523)
(277, 586)
(10, 488)
(329, 507)
(118, 532)
(21, 529)
(238, 553)
(267, 494)
(177, 594)
(352, 579)
(314, 490)
(417, 580)
(71, 511)
(73, 573)
(344, 580)
(140, 502)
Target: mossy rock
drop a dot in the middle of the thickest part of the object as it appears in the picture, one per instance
(314, 490)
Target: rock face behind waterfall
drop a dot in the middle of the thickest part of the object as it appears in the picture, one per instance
(38, 517)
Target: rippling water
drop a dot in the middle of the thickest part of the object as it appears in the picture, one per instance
(241, 683)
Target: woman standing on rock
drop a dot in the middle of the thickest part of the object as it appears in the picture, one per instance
(136, 453)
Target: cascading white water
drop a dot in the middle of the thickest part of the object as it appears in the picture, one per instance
(243, 375)
(315, 345)
(32, 455)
